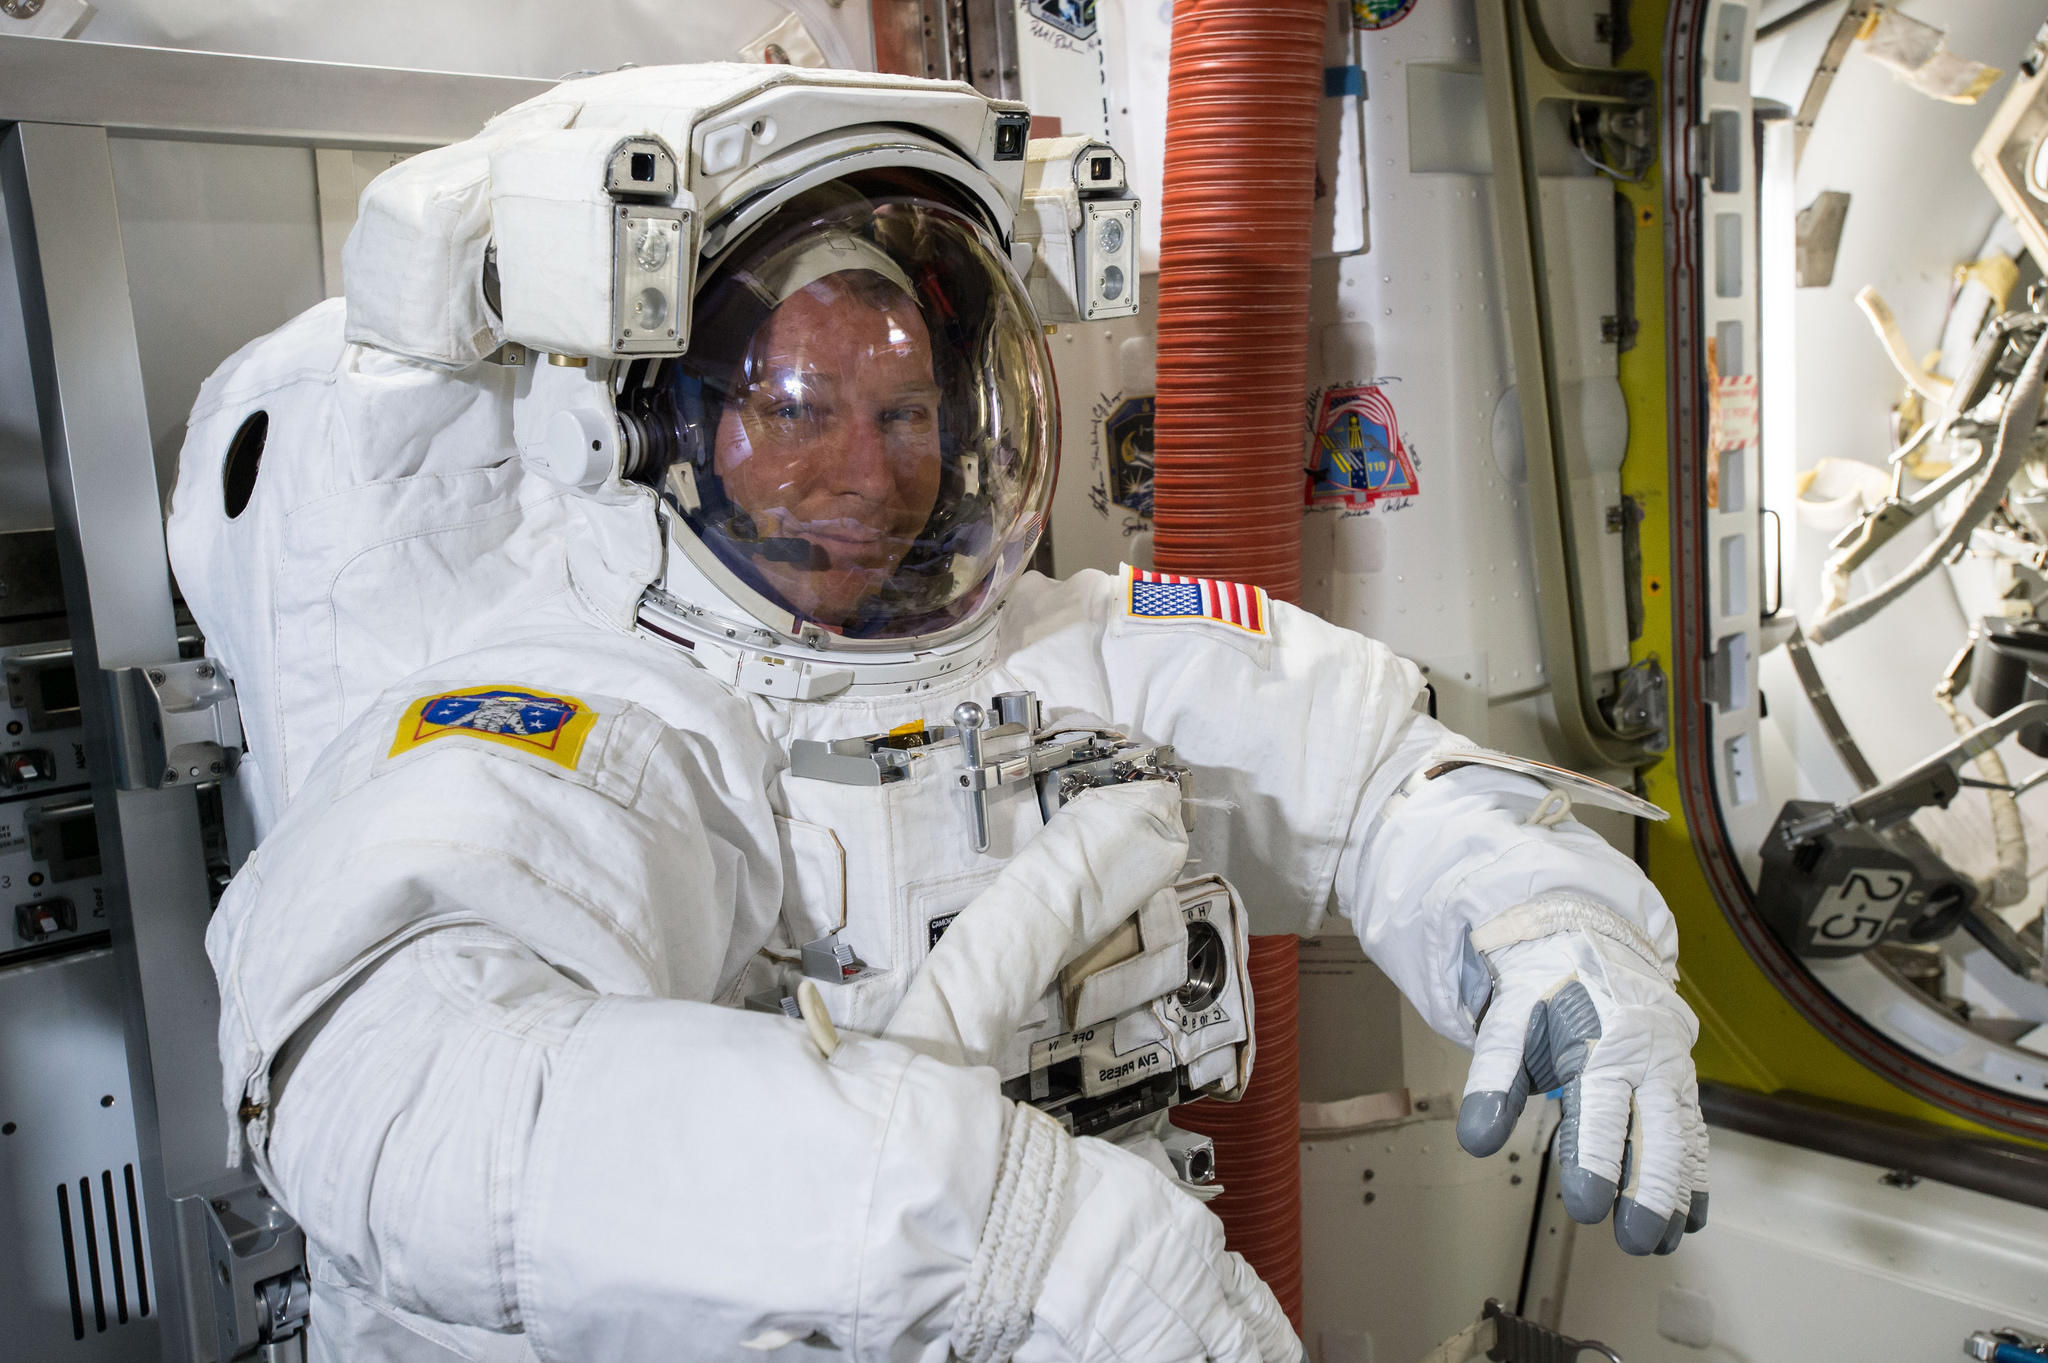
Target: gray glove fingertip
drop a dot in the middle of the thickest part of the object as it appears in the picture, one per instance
(1587, 1196)
(1485, 1120)
(1696, 1215)
(1637, 1229)
(1674, 1231)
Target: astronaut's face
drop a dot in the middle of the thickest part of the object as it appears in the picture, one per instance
(834, 439)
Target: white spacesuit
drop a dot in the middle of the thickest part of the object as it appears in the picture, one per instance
(525, 649)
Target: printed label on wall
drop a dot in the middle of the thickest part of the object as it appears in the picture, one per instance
(1733, 414)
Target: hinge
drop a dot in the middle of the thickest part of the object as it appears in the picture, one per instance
(176, 723)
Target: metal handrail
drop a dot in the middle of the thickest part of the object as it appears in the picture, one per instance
(159, 92)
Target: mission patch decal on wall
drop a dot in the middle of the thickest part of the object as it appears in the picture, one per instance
(1127, 433)
(1357, 458)
(1075, 18)
(1368, 15)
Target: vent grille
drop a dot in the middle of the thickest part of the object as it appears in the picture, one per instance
(91, 1220)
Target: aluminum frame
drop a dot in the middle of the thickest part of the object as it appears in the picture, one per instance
(60, 104)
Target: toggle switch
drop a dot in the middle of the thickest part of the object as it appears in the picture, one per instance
(42, 919)
(26, 767)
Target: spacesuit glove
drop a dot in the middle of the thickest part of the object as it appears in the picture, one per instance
(1090, 1255)
(1096, 862)
(1591, 1010)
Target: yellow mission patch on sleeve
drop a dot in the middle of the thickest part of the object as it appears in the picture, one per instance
(548, 725)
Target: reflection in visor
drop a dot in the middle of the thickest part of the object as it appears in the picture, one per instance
(863, 428)
(834, 440)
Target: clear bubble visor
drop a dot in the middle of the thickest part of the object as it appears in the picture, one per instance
(864, 426)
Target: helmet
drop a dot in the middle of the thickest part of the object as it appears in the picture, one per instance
(857, 450)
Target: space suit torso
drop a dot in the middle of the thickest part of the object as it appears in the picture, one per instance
(689, 857)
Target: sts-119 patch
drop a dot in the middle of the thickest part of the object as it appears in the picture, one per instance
(1358, 458)
(1164, 598)
(551, 727)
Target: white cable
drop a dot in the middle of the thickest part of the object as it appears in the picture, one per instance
(1932, 387)
(1553, 809)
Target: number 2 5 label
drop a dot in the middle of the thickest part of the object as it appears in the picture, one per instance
(1854, 913)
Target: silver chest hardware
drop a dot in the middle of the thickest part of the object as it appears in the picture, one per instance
(1008, 752)
(1153, 1015)
(1122, 1054)
(831, 960)
(1192, 1154)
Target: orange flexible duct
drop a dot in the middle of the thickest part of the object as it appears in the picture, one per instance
(1241, 110)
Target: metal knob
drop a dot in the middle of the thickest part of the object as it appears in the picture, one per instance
(969, 718)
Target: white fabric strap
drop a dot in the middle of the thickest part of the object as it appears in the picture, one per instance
(1554, 913)
(1024, 1220)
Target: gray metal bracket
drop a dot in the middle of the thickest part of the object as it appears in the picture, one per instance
(1522, 68)
(1934, 781)
(77, 317)
(175, 723)
(1824, 71)
(1516, 1340)
(256, 1254)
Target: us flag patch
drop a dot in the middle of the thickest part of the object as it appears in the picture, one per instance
(1166, 597)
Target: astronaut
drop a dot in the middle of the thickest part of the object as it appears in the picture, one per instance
(531, 836)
